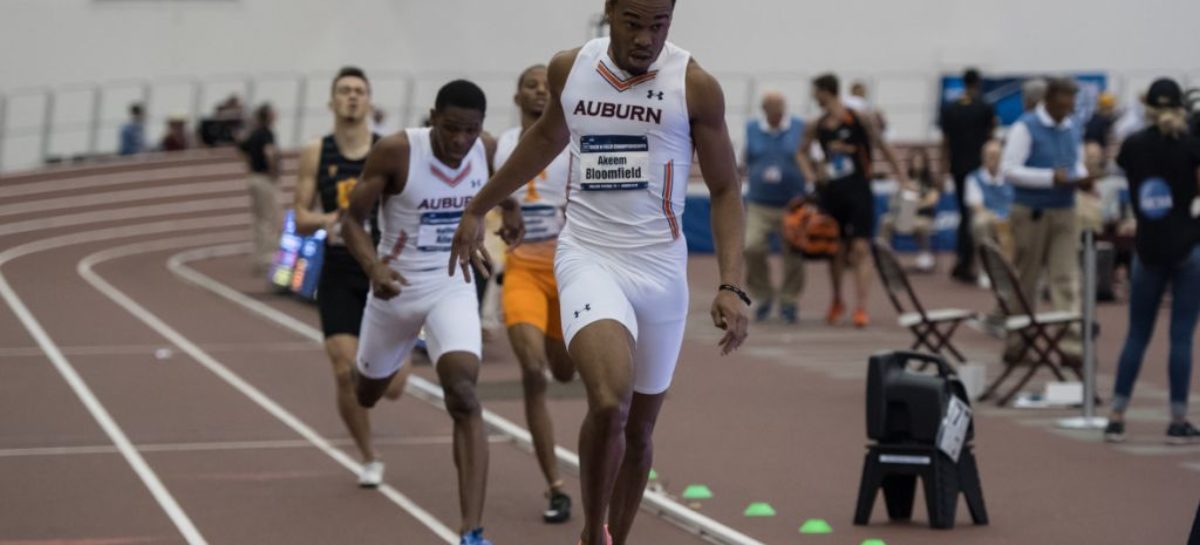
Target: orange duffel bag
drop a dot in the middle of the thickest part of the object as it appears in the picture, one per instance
(810, 230)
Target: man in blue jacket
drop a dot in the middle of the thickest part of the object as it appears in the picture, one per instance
(774, 180)
(1043, 160)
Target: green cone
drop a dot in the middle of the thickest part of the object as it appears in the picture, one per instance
(653, 475)
(697, 492)
(874, 542)
(760, 509)
(816, 526)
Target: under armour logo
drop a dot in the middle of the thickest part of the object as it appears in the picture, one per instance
(586, 308)
(651, 94)
(476, 184)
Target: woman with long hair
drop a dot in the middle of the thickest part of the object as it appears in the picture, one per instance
(1162, 163)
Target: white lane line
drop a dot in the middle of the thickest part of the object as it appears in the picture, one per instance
(230, 446)
(653, 501)
(113, 430)
(150, 349)
(121, 214)
(85, 270)
(93, 199)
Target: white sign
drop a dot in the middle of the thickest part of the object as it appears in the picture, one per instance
(953, 432)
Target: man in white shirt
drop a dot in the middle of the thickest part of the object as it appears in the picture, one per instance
(990, 199)
(1043, 159)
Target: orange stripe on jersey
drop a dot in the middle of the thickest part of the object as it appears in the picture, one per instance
(452, 182)
(668, 209)
(620, 84)
(397, 248)
(567, 193)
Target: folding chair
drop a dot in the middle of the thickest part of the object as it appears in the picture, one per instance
(1040, 333)
(932, 328)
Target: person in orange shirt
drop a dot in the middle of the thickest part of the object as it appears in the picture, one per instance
(530, 294)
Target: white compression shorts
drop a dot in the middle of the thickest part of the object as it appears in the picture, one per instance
(445, 306)
(645, 290)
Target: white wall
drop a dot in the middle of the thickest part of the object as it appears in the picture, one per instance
(899, 47)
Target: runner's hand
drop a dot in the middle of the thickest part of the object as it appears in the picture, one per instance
(512, 229)
(467, 248)
(386, 282)
(332, 219)
(729, 313)
(333, 225)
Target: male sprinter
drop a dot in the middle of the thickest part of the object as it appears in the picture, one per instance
(426, 178)
(632, 107)
(844, 187)
(530, 293)
(329, 169)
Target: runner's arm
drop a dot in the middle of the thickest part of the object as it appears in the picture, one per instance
(706, 105)
(538, 146)
(384, 174)
(718, 164)
(804, 158)
(889, 154)
(307, 219)
(512, 228)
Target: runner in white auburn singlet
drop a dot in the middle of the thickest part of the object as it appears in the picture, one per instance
(631, 108)
(426, 178)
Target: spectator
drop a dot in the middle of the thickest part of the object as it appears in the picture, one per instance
(842, 178)
(1089, 205)
(176, 136)
(1043, 159)
(990, 199)
(1033, 90)
(967, 124)
(1163, 166)
(1132, 120)
(262, 158)
(379, 123)
(858, 101)
(914, 208)
(1100, 127)
(227, 124)
(133, 132)
(775, 179)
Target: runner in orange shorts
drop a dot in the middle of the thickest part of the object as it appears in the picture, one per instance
(530, 295)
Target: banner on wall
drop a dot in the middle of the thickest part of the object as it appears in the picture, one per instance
(1005, 93)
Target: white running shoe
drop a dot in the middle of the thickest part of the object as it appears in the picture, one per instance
(371, 475)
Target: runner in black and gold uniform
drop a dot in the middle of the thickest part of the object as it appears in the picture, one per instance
(329, 170)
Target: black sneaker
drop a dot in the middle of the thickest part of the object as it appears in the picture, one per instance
(560, 509)
(1114, 432)
(1182, 433)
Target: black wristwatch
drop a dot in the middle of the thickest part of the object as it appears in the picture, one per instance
(736, 291)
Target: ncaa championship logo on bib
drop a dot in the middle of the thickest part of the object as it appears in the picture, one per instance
(437, 231)
(1154, 198)
(615, 162)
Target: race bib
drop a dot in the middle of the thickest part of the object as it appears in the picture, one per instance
(542, 222)
(773, 174)
(614, 163)
(839, 166)
(437, 231)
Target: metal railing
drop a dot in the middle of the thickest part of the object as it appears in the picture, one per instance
(48, 124)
